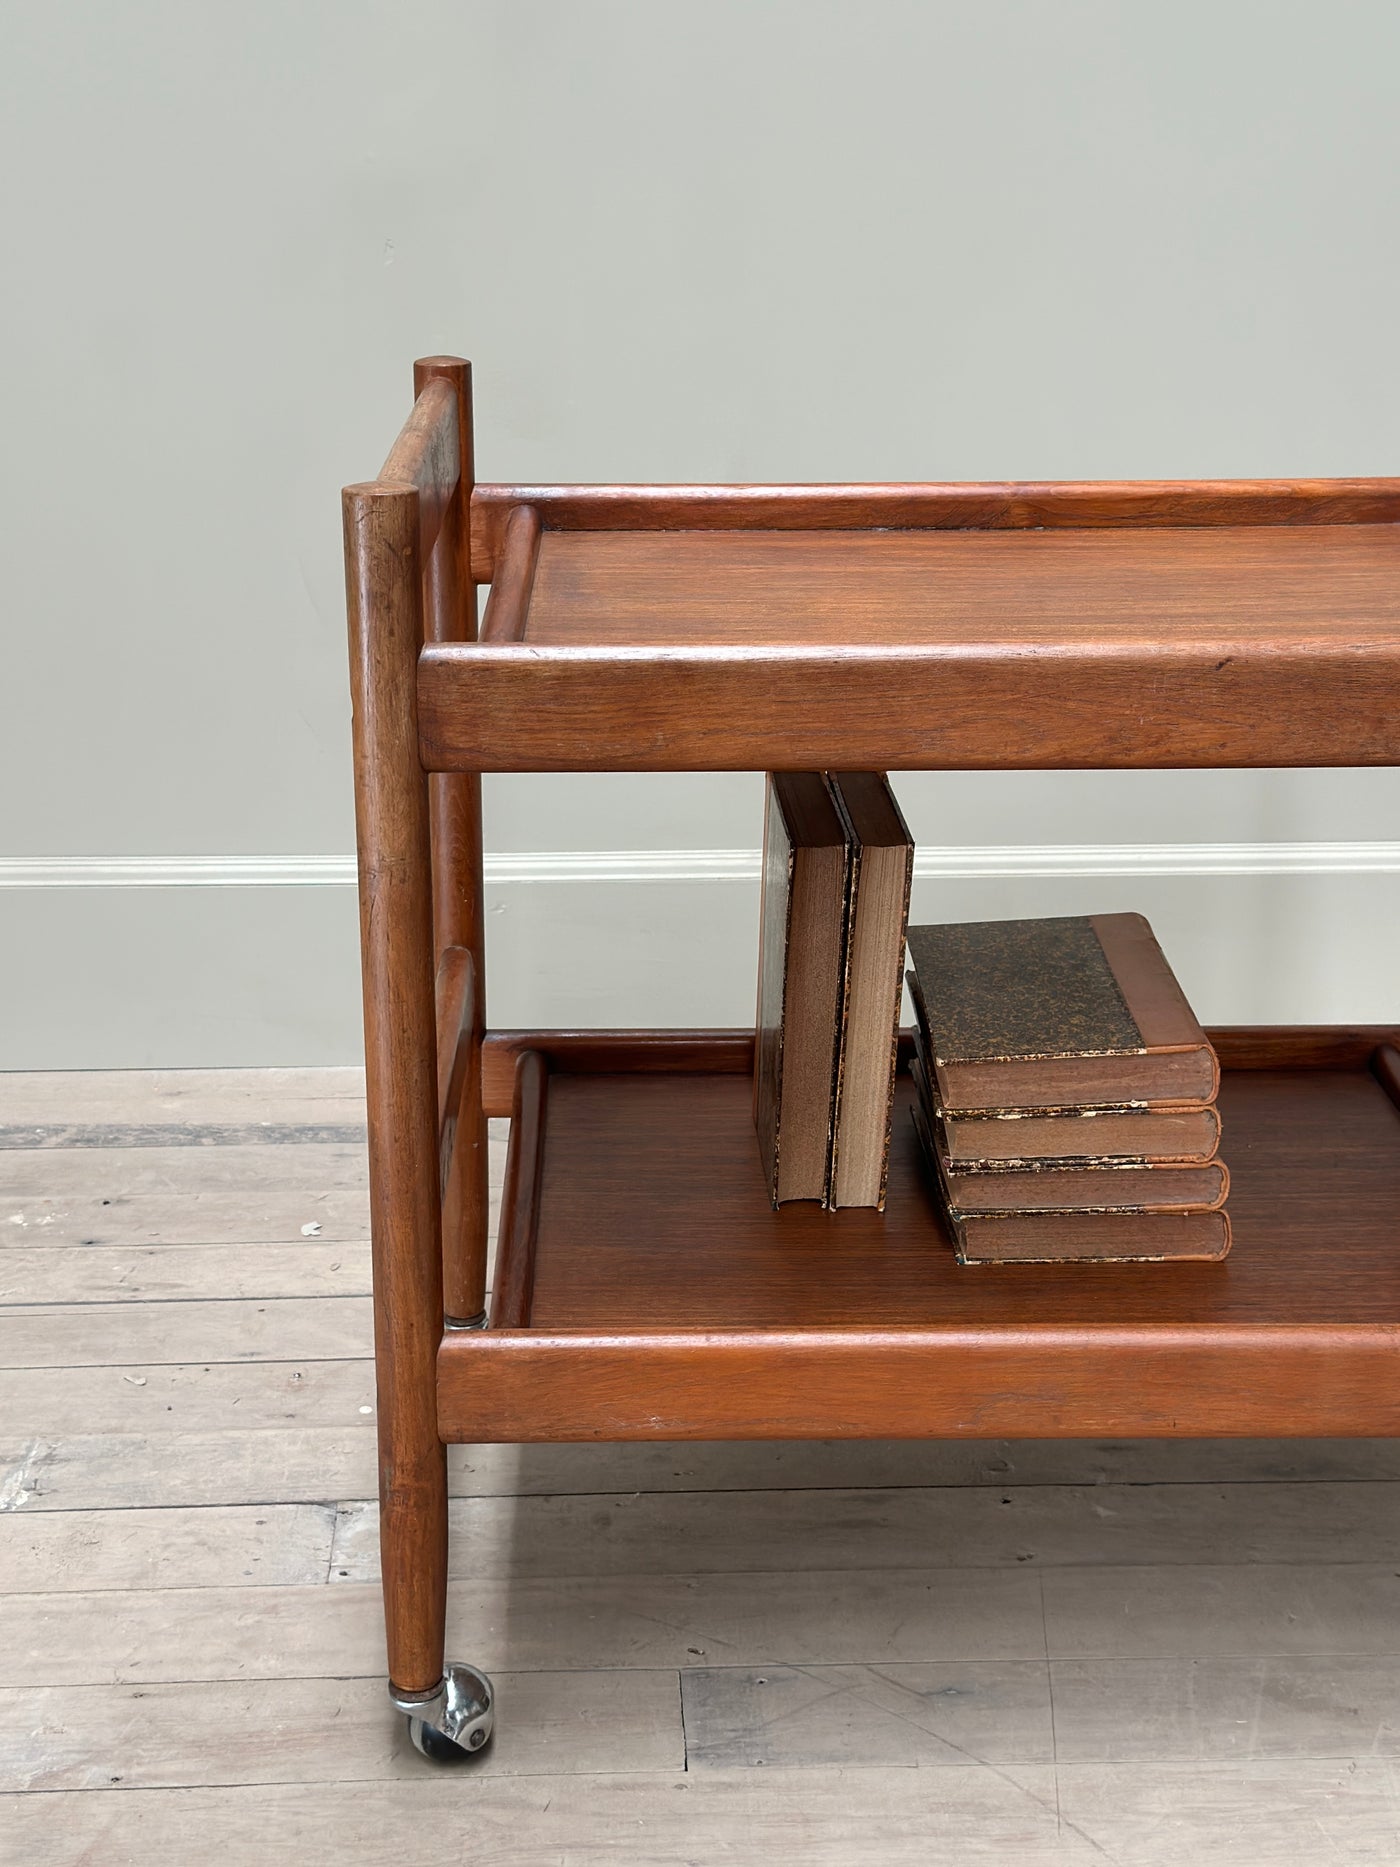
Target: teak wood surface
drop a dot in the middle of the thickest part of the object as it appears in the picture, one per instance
(741, 628)
(668, 1299)
(1005, 506)
(643, 1286)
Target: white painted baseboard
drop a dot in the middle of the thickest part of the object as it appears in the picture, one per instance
(146, 962)
(953, 863)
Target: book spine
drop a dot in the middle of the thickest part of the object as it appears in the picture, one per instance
(848, 914)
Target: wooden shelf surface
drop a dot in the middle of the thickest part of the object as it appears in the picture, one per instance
(653, 1216)
(735, 649)
(638, 1237)
(1293, 586)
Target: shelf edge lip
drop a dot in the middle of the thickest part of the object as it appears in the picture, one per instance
(998, 1337)
(1004, 705)
(436, 658)
(729, 1050)
(1032, 1381)
(992, 505)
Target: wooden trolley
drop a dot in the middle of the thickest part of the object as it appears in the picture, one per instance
(643, 1287)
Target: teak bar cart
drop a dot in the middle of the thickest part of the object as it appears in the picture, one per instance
(643, 1287)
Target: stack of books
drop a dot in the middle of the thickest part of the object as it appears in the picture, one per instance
(1066, 1093)
(837, 865)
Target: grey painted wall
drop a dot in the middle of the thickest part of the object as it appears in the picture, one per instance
(754, 239)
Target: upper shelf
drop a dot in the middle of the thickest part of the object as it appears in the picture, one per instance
(1039, 639)
(1313, 588)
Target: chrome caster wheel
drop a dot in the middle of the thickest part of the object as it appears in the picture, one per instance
(453, 1723)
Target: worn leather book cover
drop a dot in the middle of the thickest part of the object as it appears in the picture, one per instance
(1079, 1012)
(1078, 1137)
(1076, 1237)
(1082, 1186)
(801, 978)
(882, 869)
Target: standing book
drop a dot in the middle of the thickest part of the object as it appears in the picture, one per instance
(801, 982)
(882, 868)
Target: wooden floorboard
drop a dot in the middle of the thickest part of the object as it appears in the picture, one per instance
(194, 1173)
(219, 1217)
(175, 1273)
(930, 1527)
(223, 1546)
(988, 1816)
(1146, 1654)
(86, 1335)
(1070, 1815)
(323, 1731)
(128, 1098)
(940, 1714)
(1250, 1610)
(267, 1463)
(523, 1624)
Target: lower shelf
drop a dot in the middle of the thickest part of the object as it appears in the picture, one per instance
(649, 1289)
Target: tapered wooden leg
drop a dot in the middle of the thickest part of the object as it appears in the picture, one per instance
(384, 593)
(455, 830)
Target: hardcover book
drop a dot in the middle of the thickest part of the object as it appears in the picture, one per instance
(1044, 1014)
(1082, 1186)
(1030, 1237)
(1122, 1137)
(801, 977)
(882, 868)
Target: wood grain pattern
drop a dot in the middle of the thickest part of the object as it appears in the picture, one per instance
(990, 506)
(427, 457)
(227, 1329)
(455, 990)
(42, 1100)
(449, 595)
(1217, 702)
(1022, 1815)
(513, 1288)
(327, 1731)
(672, 1052)
(1298, 1046)
(143, 1164)
(508, 606)
(897, 1527)
(979, 1382)
(1219, 587)
(300, 1455)
(462, 1144)
(669, 1300)
(166, 1273)
(454, 819)
(384, 600)
(528, 1624)
(1261, 644)
(65, 1551)
(923, 1717)
(652, 1215)
(1212, 1707)
(197, 1195)
(1385, 1066)
(1153, 1610)
(574, 1053)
